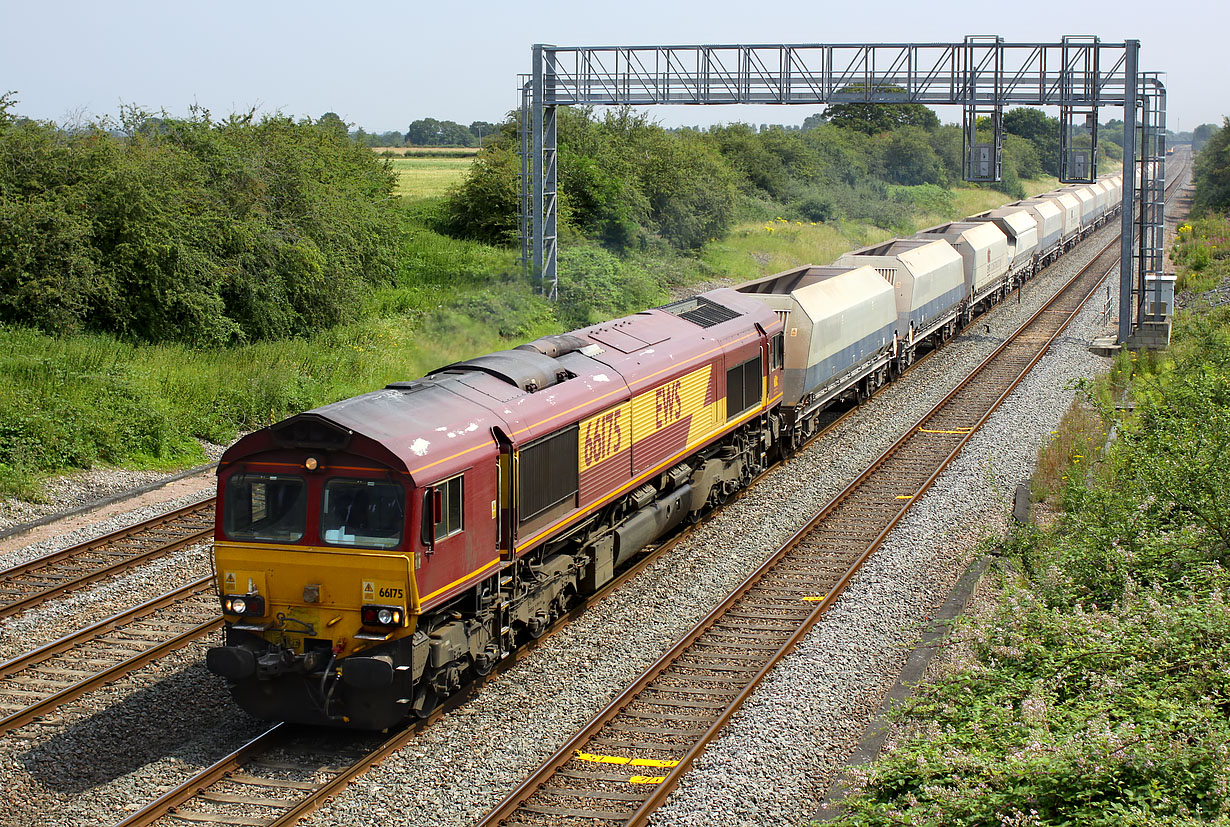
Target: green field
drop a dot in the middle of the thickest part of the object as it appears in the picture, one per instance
(429, 177)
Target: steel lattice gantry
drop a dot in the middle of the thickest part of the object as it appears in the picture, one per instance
(982, 74)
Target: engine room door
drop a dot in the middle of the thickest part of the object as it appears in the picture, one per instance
(506, 494)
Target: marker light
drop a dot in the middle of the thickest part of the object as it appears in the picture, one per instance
(248, 605)
(382, 615)
(311, 463)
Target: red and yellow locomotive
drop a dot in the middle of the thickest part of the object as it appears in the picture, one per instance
(373, 553)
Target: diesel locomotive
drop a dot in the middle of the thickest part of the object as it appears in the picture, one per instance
(374, 554)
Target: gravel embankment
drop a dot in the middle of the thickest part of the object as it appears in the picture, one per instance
(152, 728)
(85, 488)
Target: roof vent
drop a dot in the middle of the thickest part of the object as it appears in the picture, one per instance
(528, 370)
(309, 430)
(701, 311)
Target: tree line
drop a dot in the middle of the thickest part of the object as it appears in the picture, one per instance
(628, 183)
(427, 132)
(201, 230)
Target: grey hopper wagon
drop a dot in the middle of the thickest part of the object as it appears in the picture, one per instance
(839, 330)
(929, 283)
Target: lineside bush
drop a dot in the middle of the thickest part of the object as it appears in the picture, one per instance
(1099, 691)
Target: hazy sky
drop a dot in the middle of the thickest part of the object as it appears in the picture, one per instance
(383, 65)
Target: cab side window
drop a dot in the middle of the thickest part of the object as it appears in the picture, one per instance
(443, 510)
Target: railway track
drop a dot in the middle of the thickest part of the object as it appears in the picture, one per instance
(624, 763)
(34, 684)
(56, 574)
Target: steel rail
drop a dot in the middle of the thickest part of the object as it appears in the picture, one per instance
(13, 668)
(11, 579)
(116, 621)
(566, 754)
(168, 801)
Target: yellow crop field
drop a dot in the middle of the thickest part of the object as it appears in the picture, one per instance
(429, 177)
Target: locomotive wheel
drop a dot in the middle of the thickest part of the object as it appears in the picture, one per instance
(426, 701)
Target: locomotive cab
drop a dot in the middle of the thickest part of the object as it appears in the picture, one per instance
(323, 540)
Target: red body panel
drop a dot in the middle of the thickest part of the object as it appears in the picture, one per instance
(460, 422)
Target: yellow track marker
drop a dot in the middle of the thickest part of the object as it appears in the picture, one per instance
(815, 598)
(647, 779)
(905, 496)
(957, 431)
(623, 759)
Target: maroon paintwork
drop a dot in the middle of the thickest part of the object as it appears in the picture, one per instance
(458, 423)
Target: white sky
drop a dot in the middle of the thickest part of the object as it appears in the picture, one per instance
(383, 65)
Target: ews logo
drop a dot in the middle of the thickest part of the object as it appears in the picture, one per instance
(668, 404)
(604, 437)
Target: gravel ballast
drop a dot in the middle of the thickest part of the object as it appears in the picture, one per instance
(86, 488)
(769, 772)
(461, 767)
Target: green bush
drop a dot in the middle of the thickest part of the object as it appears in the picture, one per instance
(193, 230)
(595, 286)
(1098, 693)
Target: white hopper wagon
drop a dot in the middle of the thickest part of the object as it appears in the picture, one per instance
(929, 283)
(839, 336)
(984, 255)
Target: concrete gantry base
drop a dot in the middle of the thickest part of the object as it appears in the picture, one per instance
(1104, 346)
(1150, 336)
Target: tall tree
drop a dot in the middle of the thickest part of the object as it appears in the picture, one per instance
(332, 122)
(431, 132)
(1213, 172)
(1201, 135)
(1035, 126)
(874, 118)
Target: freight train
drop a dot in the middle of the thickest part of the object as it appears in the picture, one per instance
(374, 554)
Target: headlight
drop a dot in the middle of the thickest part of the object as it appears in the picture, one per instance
(382, 615)
(248, 605)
